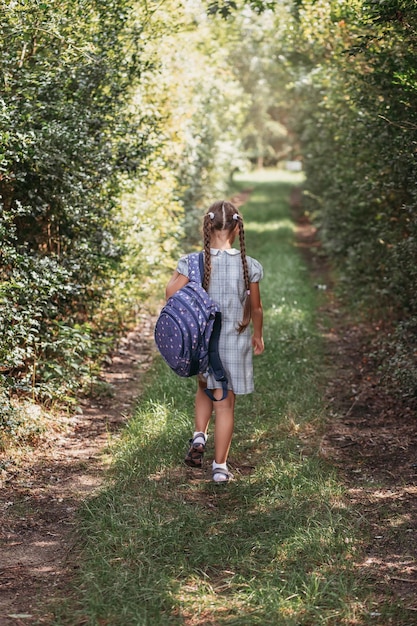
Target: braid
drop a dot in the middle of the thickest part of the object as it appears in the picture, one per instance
(223, 215)
(246, 310)
(243, 255)
(207, 255)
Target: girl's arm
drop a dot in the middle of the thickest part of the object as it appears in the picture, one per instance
(176, 282)
(257, 318)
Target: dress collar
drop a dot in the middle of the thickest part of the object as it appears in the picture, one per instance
(231, 251)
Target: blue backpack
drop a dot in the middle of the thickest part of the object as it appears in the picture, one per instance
(188, 328)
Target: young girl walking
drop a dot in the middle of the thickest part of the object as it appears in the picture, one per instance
(232, 281)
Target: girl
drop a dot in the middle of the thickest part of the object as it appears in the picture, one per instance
(232, 280)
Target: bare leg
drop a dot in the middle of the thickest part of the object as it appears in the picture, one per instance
(223, 428)
(203, 409)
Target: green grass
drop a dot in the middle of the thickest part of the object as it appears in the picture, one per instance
(163, 545)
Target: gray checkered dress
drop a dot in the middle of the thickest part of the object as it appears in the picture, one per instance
(227, 289)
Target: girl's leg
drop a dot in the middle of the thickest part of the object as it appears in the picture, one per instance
(223, 428)
(203, 409)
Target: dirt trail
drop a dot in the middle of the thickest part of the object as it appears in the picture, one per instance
(370, 437)
(39, 500)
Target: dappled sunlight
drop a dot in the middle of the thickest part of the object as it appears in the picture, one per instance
(155, 426)
(277, 542)
(402, 520)
(272, 564)
(270, 175)
(156, 414)
(123, 122)
(270, 226)
(201, 599)
(287, 312)
(153, 419)
(393, 562)
(390, 557)
(399, 570)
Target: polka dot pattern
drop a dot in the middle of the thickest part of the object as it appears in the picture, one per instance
(183, 329)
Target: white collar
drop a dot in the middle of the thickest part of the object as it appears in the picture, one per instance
(231, 251)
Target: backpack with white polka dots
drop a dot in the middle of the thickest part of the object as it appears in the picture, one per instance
(188, 328)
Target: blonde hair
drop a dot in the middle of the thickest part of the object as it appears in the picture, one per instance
(223, 215)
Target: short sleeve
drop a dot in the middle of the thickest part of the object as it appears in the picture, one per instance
(256, 271)
(182, 267)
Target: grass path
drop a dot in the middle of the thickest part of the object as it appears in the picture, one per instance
(162, 545)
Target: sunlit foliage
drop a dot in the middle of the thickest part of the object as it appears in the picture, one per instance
(120, 121)
(355, 91)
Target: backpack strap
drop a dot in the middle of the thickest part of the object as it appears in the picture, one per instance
(201, 266)
(196, 267)
(214, 358)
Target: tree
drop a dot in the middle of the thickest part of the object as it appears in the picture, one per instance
(64, 137)
(354, 85)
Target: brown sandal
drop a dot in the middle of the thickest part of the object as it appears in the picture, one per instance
(195, 454)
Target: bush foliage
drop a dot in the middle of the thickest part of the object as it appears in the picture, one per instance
(354, 84)
(102, 151)
(120, 121)
(65, 134)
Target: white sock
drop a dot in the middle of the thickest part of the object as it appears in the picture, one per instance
(199, 437)
(220, 477)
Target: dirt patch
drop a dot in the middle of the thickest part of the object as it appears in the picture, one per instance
(371, 437)
(41, 494)
(40, 498)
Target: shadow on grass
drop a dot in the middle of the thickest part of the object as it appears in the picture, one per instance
(275, 544)
(164, 545)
